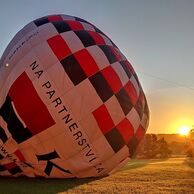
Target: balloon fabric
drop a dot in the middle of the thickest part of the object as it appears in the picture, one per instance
(71, 104)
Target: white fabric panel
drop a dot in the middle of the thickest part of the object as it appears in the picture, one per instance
(21, 49)
(79, 99)
(144, 121)
(16, 53)
(80, 167)
(120, 165)
(64, 84)
(120, 72)
(65, 144)
(18, 116)
(90, 126)
(113, 162)
(2, 88)
(103, 148)
(29, 152)
(135, 84)
(73, 42)
(45, 32)
(3, 124)
(68, 17)
(58, 173)
(134, 119)
(15, 41)
(115, 110)
(107, 40)
(46, 56)
(87, 26)
(44, 84)
(10, 146)
(99, 57)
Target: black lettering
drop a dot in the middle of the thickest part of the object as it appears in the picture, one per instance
(89, 154)
(51, 93)
(39, 73)
(78, 135)
(88, 145)
(98, 168)
(47, 84)
(58, 101)
(3, 150)
(92, 159)
(34, 65)
(63, 109)
(74, 126)
(81, 142)
(67, 119)
(50, 165)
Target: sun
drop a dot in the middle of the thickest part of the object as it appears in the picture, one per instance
(184, 130)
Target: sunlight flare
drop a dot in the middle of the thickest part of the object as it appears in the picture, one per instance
(184, 130)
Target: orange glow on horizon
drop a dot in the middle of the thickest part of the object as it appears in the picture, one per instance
(182, 126)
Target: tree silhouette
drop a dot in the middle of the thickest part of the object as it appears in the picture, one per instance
(151, 147)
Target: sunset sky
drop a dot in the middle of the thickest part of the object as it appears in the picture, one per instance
(156, 36)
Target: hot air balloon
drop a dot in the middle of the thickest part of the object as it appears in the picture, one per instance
(71, 104)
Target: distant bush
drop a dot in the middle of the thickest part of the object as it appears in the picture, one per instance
(190, 145)
(152, 147)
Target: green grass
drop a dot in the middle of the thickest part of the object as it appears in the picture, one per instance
(175, 175)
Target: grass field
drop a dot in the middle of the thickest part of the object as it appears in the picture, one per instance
(175, 175)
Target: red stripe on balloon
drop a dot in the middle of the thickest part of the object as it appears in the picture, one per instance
(29, 106)
(131, 91)
(112, 78)
(97, 37)
(140, 133)
(126, 130)
(74, 25)
(103, 119)
(55, 18)
(59, 47)
(10, 165)
(87, 62)
(19, 155)
(116, 53)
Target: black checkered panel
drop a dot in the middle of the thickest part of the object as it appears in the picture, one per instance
(3, 135)
(85, 37)
(109, 54)
(124, 100)
(1, 157)
(127, 70)
(61, 26)
(73, 69)
(41, 21)
(115, 139)
(101, 86)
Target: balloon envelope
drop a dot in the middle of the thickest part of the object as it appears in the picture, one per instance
(71, 104)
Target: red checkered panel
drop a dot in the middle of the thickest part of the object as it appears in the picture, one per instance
(78, 92)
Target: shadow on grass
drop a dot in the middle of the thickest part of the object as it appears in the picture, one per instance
(189, 162)
(39, 185)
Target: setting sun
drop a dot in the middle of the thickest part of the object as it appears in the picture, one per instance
(184, 130)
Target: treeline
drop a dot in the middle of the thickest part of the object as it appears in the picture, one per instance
(154, 147)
